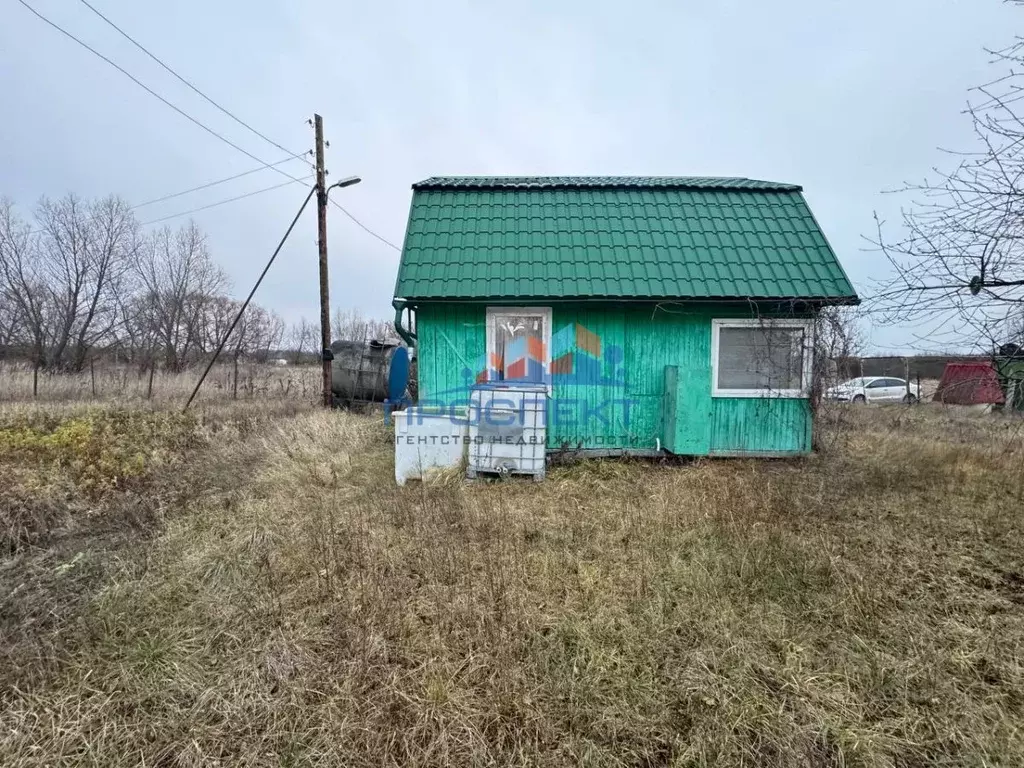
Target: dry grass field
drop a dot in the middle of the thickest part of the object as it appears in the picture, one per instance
(121, 383)
(246, 586)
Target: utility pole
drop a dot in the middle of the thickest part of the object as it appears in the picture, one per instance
(321, 230)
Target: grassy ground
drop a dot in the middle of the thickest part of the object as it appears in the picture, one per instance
(118, 382)
(280, 602)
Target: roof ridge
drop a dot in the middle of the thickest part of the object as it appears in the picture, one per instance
(626, 182)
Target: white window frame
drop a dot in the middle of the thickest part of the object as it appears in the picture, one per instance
(542, 312)
(807, 326)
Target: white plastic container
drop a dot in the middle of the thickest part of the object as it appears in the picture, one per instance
(507, 429)
(427, 441)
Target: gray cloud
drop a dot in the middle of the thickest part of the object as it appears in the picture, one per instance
(847, 99)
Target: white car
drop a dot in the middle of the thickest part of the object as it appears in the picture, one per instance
(874, 389)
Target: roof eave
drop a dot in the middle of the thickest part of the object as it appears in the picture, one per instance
(853, 300)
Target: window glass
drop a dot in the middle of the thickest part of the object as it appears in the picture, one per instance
(761, 358)
(518, 351)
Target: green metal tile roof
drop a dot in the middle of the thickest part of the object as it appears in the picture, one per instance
(617, 238)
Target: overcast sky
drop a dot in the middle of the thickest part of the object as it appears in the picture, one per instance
(847, 99)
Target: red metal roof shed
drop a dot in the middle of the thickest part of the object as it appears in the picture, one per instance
(969, 384)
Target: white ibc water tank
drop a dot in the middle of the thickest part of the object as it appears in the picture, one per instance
(427, 441)
(507, 429)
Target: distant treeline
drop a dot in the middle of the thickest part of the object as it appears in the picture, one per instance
(83, 281)
(80, 278)
(925, 366)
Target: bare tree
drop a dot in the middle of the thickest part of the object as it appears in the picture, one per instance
(8, 322)
(959, 259)
(135, 337)
(64, 279)
(86, 250)
(23, 282)
(257, 332)
(272, 330)
(351, 325)
(838, 333)
(302, 339)
(1014, 330)
(83, 275)
(838, 336)
(220, 313)
(178, 283)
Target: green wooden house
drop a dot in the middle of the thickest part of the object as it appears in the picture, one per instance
(663, 314)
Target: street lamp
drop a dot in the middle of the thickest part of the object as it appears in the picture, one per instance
(350, 181)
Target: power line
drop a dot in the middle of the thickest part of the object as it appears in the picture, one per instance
(188, 83)
(200, 208)
(222, 202)
(366, 228)
(248, 298)
(150, 91)
(215, 183)
(189, 117)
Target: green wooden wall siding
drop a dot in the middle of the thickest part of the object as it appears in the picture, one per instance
(451, 349)
(450, 340)
(760, 425)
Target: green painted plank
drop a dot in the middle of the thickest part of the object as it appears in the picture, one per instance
(670, 399)
(450, 347)
(592, 411)
(761, 425)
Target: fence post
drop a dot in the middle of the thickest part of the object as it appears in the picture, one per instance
(234, 387)
(92, 375)
(35, 379)
(149, 388)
